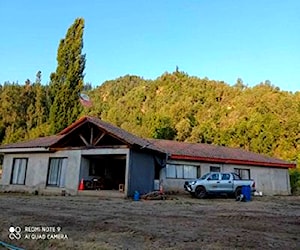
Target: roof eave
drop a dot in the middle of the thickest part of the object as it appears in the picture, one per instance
(73, 126)
(24, 150)
(232, 161)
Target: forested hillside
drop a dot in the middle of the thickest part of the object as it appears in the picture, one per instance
(175, 106)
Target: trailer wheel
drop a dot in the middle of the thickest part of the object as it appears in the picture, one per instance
(200, 192)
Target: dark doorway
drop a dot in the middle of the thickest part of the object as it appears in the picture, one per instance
(106, 172)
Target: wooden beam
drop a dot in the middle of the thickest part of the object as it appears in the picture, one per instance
(84, 140)
(99, 138)
(91, 138)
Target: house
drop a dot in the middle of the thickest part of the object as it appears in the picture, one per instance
(94, 155)
(191, 160)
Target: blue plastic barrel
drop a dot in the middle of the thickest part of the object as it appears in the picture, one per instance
(246, 191)
(136, 196)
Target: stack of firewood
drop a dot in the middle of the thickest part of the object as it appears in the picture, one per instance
(155, 195)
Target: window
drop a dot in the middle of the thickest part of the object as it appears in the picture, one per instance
(236, 176)
(190, 171)
(214, 177)
(19, 171)
(204, 176)
(171, 171)
(182, 171)
(225, 177)
(243, 173)
(57, 172)
(214, 169)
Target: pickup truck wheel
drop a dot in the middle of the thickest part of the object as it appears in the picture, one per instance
(238, 192)
(200, 192)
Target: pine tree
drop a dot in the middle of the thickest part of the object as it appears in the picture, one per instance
(67, 81)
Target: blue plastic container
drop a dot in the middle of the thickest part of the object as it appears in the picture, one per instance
(246, 191)
(136, 196)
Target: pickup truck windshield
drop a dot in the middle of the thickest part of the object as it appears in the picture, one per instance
(204, 176)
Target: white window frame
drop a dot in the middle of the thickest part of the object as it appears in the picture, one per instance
(171, 171)
(243, 173)
(57, 172)
(190, 171)
(19, 169)
(177, 171)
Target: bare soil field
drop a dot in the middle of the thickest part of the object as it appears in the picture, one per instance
(180, 222)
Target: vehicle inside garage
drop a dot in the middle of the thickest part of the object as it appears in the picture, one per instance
(105, 172)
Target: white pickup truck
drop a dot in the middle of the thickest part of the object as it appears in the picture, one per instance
(218, 183)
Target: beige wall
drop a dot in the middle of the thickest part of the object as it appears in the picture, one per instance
(37, 169)
(38, 164)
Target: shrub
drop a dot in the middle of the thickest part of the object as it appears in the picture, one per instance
(295, 180)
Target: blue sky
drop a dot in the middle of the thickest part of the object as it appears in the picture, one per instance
(223, 40)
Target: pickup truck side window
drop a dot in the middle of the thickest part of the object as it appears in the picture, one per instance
(225, 177)
(214, 177)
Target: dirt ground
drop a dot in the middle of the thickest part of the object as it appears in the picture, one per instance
(181, 222)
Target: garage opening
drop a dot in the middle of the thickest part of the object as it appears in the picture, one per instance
(105, 172)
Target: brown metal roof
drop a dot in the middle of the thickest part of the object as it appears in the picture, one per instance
(116, 132)
(218, 154)
(174, 149)
(43, 142)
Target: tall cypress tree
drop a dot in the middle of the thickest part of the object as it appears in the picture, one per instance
(67, 81)
(39, 108)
